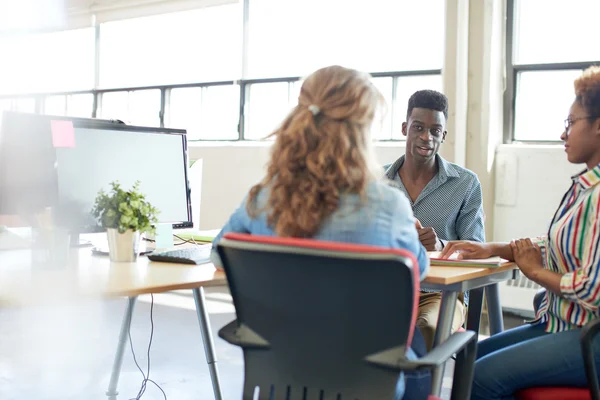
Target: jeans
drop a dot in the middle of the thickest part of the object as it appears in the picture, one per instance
(527, 357)
(415, 385)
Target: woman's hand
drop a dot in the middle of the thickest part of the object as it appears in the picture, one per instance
(528, 256)
(467, 250)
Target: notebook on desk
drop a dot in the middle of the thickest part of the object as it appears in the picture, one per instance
(453, 261)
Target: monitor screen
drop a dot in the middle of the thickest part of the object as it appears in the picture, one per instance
(82, 156)
(102, 154)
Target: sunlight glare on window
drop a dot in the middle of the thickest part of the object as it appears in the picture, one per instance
(538, 115)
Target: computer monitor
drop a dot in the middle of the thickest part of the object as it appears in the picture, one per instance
(76, 157)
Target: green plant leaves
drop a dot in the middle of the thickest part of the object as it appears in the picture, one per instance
(125, 210)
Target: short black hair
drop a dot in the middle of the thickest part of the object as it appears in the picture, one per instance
(430, 99)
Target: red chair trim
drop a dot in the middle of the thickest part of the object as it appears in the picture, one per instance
(343, 247)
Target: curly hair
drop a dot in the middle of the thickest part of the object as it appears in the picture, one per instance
(587, 90)
(321, 151)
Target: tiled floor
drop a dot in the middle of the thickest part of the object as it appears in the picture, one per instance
(66, 353)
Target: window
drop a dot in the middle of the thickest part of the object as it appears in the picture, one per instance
(21, 104)
(193, 61)
(296, 37)
(141, 107)
(207, 113)
(267, 106)
(540, 83)
(539, 117)
(405, 87)
(49, 62)
(382, 127)
(73, 105)
(194, 46)
(560, 35)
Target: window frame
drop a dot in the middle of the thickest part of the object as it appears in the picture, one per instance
(512, 73)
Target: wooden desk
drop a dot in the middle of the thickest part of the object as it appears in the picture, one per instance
(25, 281)
(451, 275)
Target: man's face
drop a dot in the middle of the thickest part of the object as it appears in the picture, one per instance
(425, 130)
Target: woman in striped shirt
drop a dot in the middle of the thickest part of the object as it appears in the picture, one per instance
(547, 352)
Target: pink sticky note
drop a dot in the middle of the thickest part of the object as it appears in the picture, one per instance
(63, 134)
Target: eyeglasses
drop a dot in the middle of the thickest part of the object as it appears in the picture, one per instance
(570, 121)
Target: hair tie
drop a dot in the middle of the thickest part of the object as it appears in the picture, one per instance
(313, 108)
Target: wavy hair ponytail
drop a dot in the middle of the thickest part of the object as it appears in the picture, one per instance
(322, 150)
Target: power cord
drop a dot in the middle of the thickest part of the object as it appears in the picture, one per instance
(147, 374)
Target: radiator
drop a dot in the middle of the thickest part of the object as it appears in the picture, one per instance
(516, 296)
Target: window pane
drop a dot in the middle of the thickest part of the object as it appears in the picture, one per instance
(539, 116)
(49, 62)
(80, 105)
(55, 105)
(210, 113)
(140, 107)
(267, 106)
(220, 112)
(405, 88)
(183, 111)
(378, 35)
(192, 46)
(382, 127)
(550, 31)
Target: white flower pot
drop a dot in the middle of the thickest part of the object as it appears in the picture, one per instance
(123, 247)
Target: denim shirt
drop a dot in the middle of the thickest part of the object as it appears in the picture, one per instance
(385, 220)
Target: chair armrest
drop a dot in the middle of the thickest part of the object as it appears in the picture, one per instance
(394, 358)
(242, 336)
(588, 333)
(590, 330)
(442, 352)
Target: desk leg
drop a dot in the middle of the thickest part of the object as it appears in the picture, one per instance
(209, 349)
(474, 309)
(116, 370)
(492, 295)
(442, 332)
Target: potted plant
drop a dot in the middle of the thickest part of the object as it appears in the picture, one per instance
(125, 215)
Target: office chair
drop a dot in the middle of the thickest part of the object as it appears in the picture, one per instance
(588, 333)
(328, 321)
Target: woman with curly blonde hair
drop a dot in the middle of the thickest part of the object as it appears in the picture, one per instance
(547, 352)
(322, 180)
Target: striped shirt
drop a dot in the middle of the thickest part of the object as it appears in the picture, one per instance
(573, 250)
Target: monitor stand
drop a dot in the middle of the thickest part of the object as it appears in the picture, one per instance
(77, 242)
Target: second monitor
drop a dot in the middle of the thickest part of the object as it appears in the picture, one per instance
(155, 157)
(84, 156)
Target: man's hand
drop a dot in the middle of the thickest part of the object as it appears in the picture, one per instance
(428, 238)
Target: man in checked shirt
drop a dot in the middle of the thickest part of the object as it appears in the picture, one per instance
(445, 198)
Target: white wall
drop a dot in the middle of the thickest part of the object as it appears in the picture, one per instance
(229, 169)
(530, 182)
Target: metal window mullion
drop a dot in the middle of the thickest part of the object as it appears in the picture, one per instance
(394, 106)
(97, 56)
(511, 81)
(95, 104)
(245, 37)
(244, 95)
(163, 101)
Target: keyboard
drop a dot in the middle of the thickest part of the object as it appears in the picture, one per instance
(188, 255)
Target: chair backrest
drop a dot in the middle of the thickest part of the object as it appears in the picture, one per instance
(312, 314)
